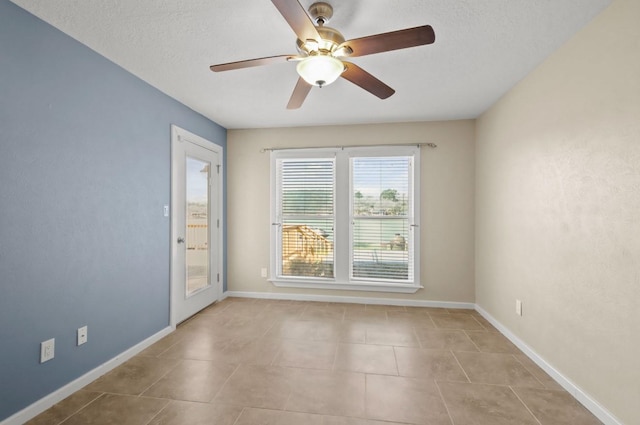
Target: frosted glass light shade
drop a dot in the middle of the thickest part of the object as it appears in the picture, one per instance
(320, 70)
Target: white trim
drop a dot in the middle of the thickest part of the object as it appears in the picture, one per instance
(353, 300)
(343, 218)
(61, 393)
(375, 287)
(585, 399)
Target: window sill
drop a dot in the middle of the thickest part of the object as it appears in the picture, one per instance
(364, 286)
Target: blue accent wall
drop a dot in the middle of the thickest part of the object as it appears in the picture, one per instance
(84, 174)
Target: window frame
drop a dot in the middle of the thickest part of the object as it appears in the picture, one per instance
(343, 213)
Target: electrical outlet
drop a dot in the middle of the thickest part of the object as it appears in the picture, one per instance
(263, 272)
(47, 350)
(82, 335)
(519, 307)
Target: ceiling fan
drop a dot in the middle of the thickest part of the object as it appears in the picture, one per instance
(322, 50)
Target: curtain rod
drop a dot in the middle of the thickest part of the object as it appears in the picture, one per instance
(430, 145)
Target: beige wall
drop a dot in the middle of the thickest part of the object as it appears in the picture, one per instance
(558, 210)
(447, 186)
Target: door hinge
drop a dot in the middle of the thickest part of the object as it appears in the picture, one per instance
(218, 167)
(218, 277)
(218, 223)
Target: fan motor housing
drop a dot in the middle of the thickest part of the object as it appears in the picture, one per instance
(331, 39)
(321, 12)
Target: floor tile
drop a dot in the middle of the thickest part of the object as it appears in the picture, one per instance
(366, 358)
(262, 362)
(382, 307)
(134, 376)
(445, 339)
(427, 310)
(246, 309)
(540, 374)
(366, 316)
(329, 393)
(65, 408)
(343, 420)
(405, 400)
(410, 318)
(162, 345)
(484, 322)
(113, 409)
(310, 330)
(258, 386)
(492, 342)
(499, 369)
(400, 336)
(283, 311)
(431, 364)
(477, 404)
(244, 350)
(456, 321)
(188, 413)
(192, 380)
(307, 354)
(202, 346)
(353, 332)
(253, 416)
(556, 407)
(320, 313)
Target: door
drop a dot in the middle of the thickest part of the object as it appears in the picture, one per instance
(195, 224)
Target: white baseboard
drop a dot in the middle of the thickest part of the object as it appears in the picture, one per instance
(353, 300)
(60, 394)
(587, 401)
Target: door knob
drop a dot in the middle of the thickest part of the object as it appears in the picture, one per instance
(180, 240)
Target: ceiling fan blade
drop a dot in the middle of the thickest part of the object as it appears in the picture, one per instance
(388, 41)
(362, 78)
(252, 62)
(300, 93)
(298, 20)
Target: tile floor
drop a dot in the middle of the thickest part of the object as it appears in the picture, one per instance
(259, 362)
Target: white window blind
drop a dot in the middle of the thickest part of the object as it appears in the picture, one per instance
(346, 218)
(307, 217)
(380, 237)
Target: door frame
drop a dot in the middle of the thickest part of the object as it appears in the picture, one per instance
(179, 136)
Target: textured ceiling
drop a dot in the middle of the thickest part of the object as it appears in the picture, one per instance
(482, 48)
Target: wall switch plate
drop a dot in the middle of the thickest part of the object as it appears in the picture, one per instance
(166, 210)
(47, 350)
(82, 335)
(519, 307)
(263, 272)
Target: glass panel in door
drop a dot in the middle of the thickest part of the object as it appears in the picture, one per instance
(197, 232)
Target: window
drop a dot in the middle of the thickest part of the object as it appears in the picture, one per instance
(346, 218)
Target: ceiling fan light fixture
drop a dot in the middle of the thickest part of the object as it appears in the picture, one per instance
(320, 70)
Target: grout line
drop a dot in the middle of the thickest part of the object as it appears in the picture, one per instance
(159, 411)
(472, 341)
(241, 412)
(460, 364)
(478, 322)
(291, 389)
(83, 406)
(528, 371)
(444, 401)
(335, 356)
(395, 357)
(171, 369)
(225, 383)
(525, 405)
